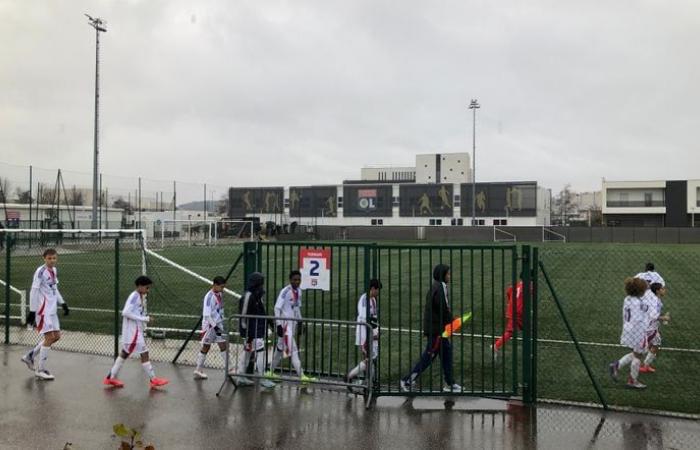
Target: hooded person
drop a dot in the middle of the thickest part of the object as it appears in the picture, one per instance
(436, 315)
(253, 330)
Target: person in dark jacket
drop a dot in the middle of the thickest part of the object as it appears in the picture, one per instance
(253, 330)
(437, 314)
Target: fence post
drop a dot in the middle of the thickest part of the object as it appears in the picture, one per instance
(8, 281)
(535, 320)
(527, 332)
(116, 297)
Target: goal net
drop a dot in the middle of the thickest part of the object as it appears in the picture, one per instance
(170, 232)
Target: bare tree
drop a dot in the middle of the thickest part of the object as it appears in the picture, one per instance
(4, 190)
(565, 205)
(122, 204)
(75, 197)
(47, 195)
(222, 204)
(23, 196)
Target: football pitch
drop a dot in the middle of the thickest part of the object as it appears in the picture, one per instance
(588, 279)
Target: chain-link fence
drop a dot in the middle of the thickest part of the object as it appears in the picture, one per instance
(619, 325)
(584, 289)
(35, 197)
(96, 274)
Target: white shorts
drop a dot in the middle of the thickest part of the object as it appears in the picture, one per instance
(636, 340)
(209, 337)
(287, 344)
(46, 323)
(654, 338)
(135, 342)
(375, 348)
(257, 344)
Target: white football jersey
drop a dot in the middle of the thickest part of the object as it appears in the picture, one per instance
(635, 319)
(361, 330)
(651, 277)
(288, 304)
(654, 305)
(213, 310)
(134, 316)
(44, 296)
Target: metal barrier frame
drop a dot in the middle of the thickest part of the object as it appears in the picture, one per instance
(229, 376)
(372, 262)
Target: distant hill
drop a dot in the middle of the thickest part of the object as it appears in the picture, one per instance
(199, 206)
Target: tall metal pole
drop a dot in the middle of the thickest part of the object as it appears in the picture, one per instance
(474, 105)
(30, 199)
(99, 26)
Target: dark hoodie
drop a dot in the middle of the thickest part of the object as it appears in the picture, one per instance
(252, 304)
(437, 309)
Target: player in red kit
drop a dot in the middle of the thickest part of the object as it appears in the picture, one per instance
(511, 323)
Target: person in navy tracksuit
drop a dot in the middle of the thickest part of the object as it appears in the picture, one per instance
(437, 314)
(253, 330)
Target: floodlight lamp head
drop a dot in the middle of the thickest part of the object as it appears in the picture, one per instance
(97, 23)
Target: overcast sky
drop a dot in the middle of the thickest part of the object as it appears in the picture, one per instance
(295, 93)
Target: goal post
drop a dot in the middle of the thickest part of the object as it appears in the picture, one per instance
(202, 231)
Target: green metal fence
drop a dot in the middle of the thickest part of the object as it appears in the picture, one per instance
(480, 277)
(570, 329)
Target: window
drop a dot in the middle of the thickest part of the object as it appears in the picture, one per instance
(500, 222)
(460, 221)
(340, 202)
(286, 203)
(394, 201)
(374, 221)
(380, 221)
(647, 199)
(435, 222)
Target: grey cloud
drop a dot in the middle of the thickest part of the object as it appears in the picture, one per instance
(307, 92)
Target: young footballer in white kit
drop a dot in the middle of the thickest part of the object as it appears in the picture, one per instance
(369, 345)
(133, 336)
(44, 299)
(650, 275)
(288, 305)
(653, 300)
(212, 326)
(635, 319)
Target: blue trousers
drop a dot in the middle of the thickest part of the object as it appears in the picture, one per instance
(436, 346)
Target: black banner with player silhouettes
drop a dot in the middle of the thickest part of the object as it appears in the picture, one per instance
(513, 199)
(266, 200)
(426, 200)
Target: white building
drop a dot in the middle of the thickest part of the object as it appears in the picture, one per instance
(672, 203)
(430, 168)
(77, 216)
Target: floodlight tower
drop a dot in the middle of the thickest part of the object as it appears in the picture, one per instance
(99, 26)
(474, 105)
